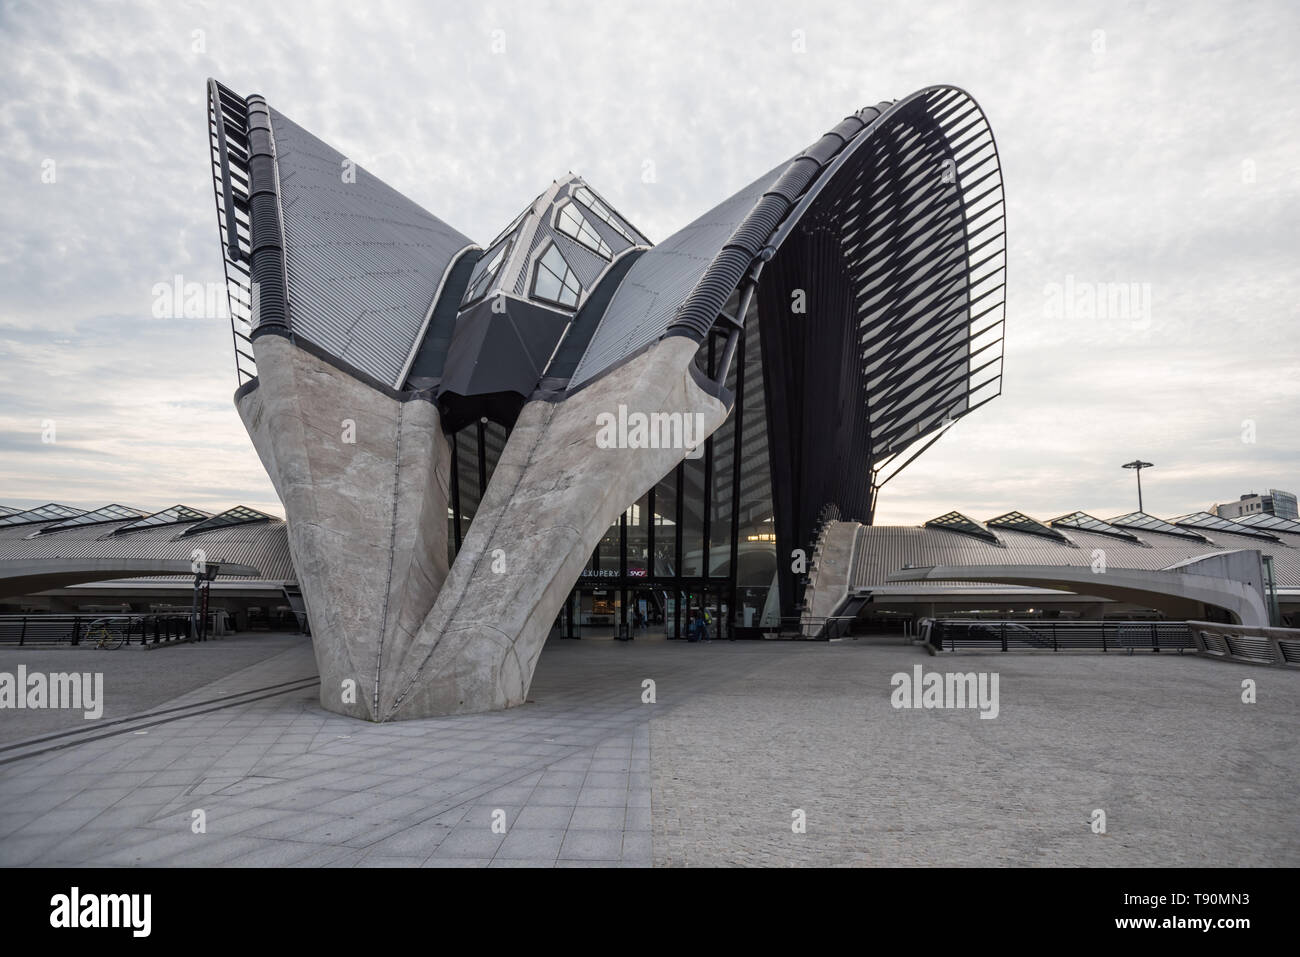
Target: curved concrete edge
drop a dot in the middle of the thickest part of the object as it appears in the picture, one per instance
(26, 576)
(1179, 592)
(553, 494)
(363, 479)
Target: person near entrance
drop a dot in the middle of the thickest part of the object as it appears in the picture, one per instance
(706, 621)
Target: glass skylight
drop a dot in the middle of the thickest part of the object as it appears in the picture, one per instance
(1020, 522)
(479, 287)
(1086, 523)
(44, 513)
(1271, 522)
(957, 522)
(585, 196)
(175, 515)
(1206, 520)
(109, 513)
(553, 280)
(239, 515)
(573, 224)
(1150, 523)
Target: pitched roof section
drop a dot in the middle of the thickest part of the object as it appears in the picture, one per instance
(239, 515)
(957, 522)
(52, 512)
(363, 263)
(1020, 522)
(1149, 523)
(1206, 520)
(1087, 523)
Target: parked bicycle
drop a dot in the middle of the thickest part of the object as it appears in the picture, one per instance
(109, 633)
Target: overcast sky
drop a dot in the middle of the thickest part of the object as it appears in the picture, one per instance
(1155, 144)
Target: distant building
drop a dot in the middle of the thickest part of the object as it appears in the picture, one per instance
(1273, 502)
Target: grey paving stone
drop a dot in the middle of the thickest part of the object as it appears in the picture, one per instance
(602, 797)
(592, 845)
(598, 818)
(532, 844)
(544, 816)
(470, 841)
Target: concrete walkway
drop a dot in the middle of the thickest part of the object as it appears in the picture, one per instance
(741, 734)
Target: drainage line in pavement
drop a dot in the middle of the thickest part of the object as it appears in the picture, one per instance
(299, 685)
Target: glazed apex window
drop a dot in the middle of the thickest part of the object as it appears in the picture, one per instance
(481, 285)
(554, 281)
(588, 199)
(573, 224)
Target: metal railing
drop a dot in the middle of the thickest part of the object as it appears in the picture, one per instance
(811, 627)
(1279, 647)
(952, 634)
(142, 629)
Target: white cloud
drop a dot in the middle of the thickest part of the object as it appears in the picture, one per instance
(1120, 166)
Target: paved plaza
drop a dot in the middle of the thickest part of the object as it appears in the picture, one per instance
(740, 737)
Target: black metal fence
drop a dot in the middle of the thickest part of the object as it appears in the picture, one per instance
(951, 634)
(145, 629)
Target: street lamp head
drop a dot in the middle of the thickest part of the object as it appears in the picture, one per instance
(1137, 464)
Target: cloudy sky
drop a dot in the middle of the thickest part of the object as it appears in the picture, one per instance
(1155, 144)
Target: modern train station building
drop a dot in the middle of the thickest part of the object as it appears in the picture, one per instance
(572, 431)
(568, 422)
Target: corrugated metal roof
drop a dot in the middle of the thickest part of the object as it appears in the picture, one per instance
(363, 262)
(264, 545)
(883, 550)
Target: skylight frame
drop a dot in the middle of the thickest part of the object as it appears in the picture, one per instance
(1217, 524)
(239, 515)
(31, 516)
(104, 515)
(1097, 526)
(146, 523)
(1017, 521)
(955, 521)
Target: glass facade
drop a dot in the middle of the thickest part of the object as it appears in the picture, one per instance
(702, 538)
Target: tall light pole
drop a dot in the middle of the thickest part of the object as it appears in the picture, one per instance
(1138, 465)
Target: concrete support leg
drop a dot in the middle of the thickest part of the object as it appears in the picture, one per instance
(364, 482)
(554, 493)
